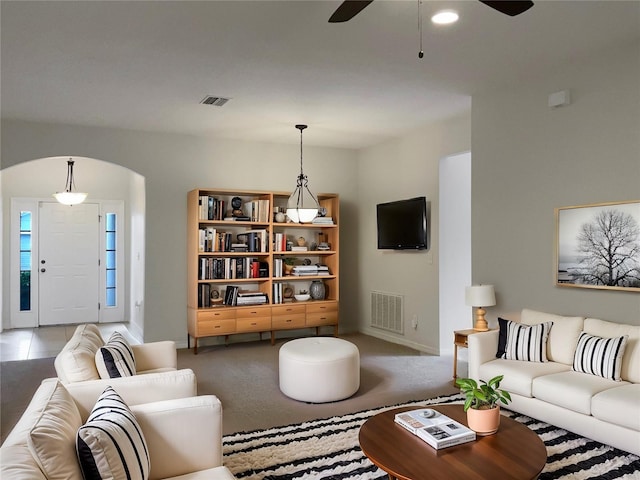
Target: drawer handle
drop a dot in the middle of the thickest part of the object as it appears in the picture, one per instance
(254, 324)
(288, 320)
(323, 318)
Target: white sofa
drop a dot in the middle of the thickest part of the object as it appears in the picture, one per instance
(76, 362)
(595, 407)
(183, 432)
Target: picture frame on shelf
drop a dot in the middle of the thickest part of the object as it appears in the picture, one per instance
(598, 246)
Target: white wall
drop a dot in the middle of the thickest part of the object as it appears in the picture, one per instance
(455, 246)
(529, 159)
(405, 168)
(174, 164)
(137, 254)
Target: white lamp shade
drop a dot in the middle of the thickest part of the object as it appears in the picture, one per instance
(480, 296)
(302, 215)
(70, 198)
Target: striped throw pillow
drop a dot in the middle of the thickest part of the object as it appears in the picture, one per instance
(527, 343)
(111, 445)
(115, 358)
(600, 356)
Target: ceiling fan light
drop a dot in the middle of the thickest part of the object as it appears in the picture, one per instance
(445, 17)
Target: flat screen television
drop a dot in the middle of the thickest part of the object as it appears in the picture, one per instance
(402, 225)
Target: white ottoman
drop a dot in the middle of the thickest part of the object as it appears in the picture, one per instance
(319, 369)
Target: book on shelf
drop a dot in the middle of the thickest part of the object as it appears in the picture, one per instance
(322, 221)
(210, 208)
(231, 295)
(257, 210)
(436, 429)
(302, 270)
(279, 242)
(299, 249)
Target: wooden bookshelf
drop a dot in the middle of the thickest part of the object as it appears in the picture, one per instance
(214, 265)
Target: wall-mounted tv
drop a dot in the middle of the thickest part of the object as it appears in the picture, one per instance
(402, 225)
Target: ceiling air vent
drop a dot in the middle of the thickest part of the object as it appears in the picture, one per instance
(215, 101)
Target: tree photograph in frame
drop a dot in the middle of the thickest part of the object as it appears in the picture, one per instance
(598, 246)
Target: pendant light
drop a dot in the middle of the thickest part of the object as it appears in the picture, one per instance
(302, 206)
(69, 197)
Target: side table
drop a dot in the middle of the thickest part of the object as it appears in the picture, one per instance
(460, 339)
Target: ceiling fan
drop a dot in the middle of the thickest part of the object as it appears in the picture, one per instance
(350, 8)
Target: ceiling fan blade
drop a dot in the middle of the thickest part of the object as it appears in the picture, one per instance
(348, 9)
(511, 8)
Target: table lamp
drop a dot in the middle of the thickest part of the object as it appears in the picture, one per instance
(480, 296)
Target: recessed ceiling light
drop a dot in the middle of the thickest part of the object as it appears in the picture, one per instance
(445, 17)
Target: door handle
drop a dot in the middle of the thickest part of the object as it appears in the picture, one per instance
(43, 270)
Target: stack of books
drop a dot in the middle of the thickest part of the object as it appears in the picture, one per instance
(251, 298)
(323, 221)
(310, 270)
(235, 296)
(433, 427)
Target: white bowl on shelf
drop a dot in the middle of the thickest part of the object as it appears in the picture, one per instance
(302, 298)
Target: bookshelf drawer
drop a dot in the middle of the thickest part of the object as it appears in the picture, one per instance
(254, 312)
(287, 310)
(322, 318)
(322, 307)
(216, 327)
(294, 320)
(254, 324)
(220, 314)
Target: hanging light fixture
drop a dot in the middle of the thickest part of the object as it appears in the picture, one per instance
(302, 206)
(69, 197)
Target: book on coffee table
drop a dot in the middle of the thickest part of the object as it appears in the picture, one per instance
(433, 427)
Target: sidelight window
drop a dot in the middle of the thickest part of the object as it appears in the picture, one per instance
(111, 259)
(26, 249)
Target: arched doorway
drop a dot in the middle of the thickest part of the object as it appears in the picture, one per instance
(117, 194)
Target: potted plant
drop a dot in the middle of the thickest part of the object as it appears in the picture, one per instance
(289, 262)
(481, 403)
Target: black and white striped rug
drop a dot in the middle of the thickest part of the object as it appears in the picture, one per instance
(328, 449)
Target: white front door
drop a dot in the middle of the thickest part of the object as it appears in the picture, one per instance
(68, 264)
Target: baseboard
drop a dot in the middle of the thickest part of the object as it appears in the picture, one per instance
(399, 341)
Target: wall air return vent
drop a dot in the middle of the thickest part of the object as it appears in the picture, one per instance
(387, 311)
(213, 100)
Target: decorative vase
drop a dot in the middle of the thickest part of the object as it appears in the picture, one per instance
(316, 290)
(484, 422)
(280, 217)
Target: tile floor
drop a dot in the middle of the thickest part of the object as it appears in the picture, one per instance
(43, 342)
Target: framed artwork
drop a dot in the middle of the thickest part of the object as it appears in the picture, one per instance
(598, 246)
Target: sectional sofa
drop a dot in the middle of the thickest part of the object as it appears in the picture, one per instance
(565, 383)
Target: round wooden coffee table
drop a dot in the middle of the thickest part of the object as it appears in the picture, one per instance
(515, 452)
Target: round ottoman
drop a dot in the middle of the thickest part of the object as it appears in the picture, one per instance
(319, 369)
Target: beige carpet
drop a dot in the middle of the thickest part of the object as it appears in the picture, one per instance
(245, 378)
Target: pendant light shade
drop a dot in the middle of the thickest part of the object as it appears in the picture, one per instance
(69, 197)
(302, 206)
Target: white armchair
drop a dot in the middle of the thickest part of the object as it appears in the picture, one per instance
(77, 360)
(183, 432)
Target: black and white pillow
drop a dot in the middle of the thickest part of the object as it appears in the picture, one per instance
(527, 343)
(111, 444)
(502, 337)
(115, 358)
(600, 356)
